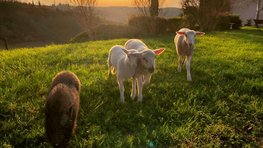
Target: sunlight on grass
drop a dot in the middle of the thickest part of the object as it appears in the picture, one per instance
(222, 107)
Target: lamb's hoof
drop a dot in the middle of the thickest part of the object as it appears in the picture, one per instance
(122, 100)
(139, 99)
(133, 96)
(179, 70)
(189, 79)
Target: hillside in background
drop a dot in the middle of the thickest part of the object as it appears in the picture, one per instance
(21, 22)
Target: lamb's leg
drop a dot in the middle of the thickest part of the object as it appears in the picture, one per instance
(188, 61)
(121, 87)
(109, 70)
(180, 63)
(140, 87)
(109, 67)
(133, 92)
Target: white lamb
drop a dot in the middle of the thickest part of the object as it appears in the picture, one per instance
(147, 64)
(184, 42)
(125, 63)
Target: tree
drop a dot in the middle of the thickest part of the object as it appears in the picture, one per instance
(5, 42)
(259, 8)
(148, 7)
(142, 6)
(154, 8)
(191, 12)
(85, 13)
(210, 10)
(205, 13)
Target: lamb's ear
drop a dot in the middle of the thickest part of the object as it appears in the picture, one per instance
(125, 50)
(158, 51)
(199, 33)
(180, 33)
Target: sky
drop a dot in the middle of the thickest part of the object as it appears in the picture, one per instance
(104, 3)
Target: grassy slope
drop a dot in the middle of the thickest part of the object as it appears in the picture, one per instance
(222, 106)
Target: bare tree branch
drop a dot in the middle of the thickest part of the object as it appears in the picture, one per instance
(243, 3)
(259, 8)
(143, 6)
(85, 9)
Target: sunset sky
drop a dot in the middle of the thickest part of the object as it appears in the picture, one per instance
(168, 3)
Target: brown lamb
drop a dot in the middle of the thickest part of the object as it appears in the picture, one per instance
(61, 109)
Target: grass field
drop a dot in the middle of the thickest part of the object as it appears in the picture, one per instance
(223, 106)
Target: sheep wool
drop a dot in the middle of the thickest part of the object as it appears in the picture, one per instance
(61, 108)
(184, 42)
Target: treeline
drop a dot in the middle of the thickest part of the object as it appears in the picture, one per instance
(20, 22)
(147, 26)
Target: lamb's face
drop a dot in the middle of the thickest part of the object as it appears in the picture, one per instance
(133, 56)
(189, 38)
(148, 60)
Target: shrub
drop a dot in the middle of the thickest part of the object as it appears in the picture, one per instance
(149, 25)
(81, 37)
(190, 17)
(105, 31)
(160, 25)
(140, 22)
(174, 24)
(249, 22)
(225, 20)
(235, 19)
(108, 31)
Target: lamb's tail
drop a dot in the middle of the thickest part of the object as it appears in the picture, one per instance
(111, 69)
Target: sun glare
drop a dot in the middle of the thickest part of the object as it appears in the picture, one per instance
(115, 3)
(105, 3)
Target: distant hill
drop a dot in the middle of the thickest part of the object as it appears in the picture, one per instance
(121, 15)
(22, 22)
(171, 12)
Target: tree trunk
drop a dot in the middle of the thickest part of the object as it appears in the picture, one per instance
(259, 8)
(154, 8)
(5, 42)
(205, 15)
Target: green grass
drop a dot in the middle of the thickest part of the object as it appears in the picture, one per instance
(223, 106)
